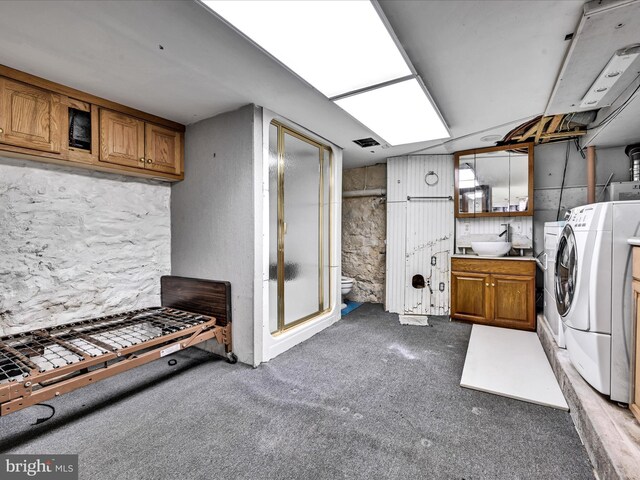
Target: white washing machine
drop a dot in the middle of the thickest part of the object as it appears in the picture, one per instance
(593, 293)
(552, 232)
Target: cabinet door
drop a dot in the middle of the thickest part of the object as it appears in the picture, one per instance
(470, 296)
(29, 116)
(121, 139)
(635, 387)
(163, 149)
(513, 301)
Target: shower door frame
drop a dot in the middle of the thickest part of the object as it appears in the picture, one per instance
(281, 228)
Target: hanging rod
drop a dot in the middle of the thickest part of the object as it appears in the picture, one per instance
(430, 198)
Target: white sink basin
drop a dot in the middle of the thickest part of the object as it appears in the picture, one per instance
(491, 249)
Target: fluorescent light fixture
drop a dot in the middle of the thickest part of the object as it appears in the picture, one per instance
(400, 113)
(336, 46)
(614, 70)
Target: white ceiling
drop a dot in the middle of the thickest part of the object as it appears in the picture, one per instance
(489, 65)
(604, 28)
(486, 63)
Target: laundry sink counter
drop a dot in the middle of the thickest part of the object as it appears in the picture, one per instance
(526, 258)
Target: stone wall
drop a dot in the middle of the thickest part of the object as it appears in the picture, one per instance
(364, 222)
(76, 244)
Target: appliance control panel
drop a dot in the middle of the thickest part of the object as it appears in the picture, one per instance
(580, 217)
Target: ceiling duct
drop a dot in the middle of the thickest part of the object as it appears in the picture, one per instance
(366, 142)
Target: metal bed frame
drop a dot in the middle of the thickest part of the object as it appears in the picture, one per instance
(38, 365)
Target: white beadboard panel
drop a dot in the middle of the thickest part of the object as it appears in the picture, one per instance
(397, 179)
(488, 228)
(419, 232)
(394, 275)
(429, 234)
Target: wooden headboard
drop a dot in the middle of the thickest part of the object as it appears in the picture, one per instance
(206, 297)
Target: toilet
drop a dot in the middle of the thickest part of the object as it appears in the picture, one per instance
(346, 285)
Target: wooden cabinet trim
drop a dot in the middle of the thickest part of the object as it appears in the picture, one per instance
(77, 154)
(636, 262)
(513, 267)
(634, 406)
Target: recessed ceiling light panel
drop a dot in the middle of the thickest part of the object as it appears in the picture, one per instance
(399, 113)
(336, 46)
(611, 73)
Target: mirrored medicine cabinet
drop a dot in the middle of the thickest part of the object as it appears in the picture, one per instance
(494, 181)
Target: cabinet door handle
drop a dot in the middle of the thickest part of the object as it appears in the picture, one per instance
(1, 130)
(487, 284)
(142, 159)
(149, 160)
(493, 284)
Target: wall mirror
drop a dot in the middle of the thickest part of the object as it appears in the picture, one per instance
(494, 181)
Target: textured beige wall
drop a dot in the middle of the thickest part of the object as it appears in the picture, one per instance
(364, 232)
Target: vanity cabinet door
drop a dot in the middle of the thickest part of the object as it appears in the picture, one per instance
(29, 117)
(470, 296)
(513, 301)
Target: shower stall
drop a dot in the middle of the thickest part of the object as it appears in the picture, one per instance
(260, 208)
(301, 199)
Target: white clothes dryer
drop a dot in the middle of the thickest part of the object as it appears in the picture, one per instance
(552, 232)
(593, 293)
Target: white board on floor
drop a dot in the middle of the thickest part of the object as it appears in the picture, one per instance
(510, 363)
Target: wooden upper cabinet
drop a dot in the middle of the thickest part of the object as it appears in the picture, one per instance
(29, 116)
(121, 139)
(45, 121)
(129, 141)
(163, 149)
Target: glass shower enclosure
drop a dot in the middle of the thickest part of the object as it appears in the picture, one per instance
(299, 228)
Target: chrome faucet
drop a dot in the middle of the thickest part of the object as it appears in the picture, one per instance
(506, 233)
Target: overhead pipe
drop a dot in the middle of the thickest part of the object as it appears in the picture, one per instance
(591, 174)
(372, 192)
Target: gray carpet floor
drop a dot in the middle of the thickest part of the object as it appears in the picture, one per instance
(367, 398)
